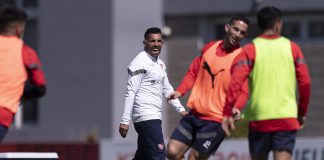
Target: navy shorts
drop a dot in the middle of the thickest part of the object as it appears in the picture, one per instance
(3, 131)
(150, 142)
(261, 143)
(203, 135)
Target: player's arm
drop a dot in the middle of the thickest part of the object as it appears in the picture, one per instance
(241, 101)
(191, 75)
(303, 80)
(135, 76)
(35, 86)
(238, 92)
(167, 91)
(241, 69)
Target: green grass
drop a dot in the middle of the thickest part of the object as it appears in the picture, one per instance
(241, 130)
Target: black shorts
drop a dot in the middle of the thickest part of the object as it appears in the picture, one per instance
(261, 143)
(203, 135)
(150, 142)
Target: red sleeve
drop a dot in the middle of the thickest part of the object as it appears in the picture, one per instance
(303, 79)
(33, 66)
(191, 75)
(243, 97)
(238, 87)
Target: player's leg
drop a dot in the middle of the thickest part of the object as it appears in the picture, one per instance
(196, 155)
(181, 139)
(176, 150)
(283, 145)
(140, 151)
(152, 142)
(209, 136)
(259, 145)
(282, 155)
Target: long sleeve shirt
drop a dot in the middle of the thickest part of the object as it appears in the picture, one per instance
(241, 71)
(191, 75)
(147, 85)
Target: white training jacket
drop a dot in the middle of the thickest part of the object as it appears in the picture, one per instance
(147, 84)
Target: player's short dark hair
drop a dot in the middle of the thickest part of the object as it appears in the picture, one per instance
(10, 14)
(239, 18)
(154, 30)
(267, 17)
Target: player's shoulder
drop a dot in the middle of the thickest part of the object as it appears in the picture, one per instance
(249, 46)
(207, 46)
(294, 44)
(138, 62)
(249, 50)
(27, 49)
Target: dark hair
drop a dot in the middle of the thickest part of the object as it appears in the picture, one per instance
(10, 14)
(267, 17)
(239, 18)
(154, 30)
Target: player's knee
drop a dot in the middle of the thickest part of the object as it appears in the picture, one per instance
(194, 154)
(173, 153)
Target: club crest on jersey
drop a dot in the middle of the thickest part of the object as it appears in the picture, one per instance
(161, 146)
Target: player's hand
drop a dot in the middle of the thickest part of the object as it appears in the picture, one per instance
(228, 125)
(301, 120)
(123, 129)
(174, 95)
(184, 113)
(236, 114)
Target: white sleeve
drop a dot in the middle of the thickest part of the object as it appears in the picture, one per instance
(167, 90)
(135, 77)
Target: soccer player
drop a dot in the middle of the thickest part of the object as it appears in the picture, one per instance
(146, 86)
(208, 76)
(274, 65)
(18, 62)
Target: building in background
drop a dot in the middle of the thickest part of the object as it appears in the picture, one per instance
(85, 47)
